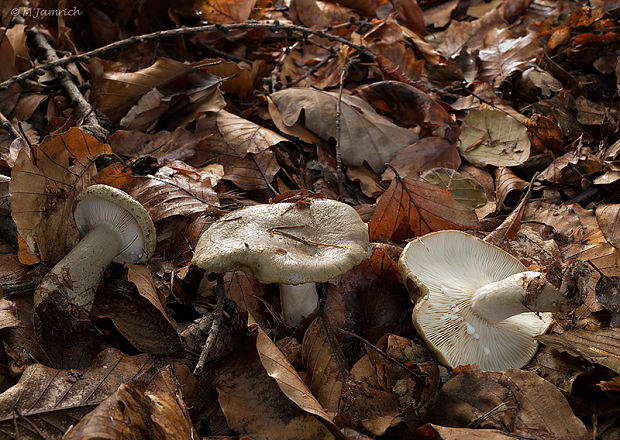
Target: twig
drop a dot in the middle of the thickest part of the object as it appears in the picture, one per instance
(338, 127)
(499, 408)
(276, 230)
(274, 26)
(22, 286)
(83, 109)
(214, 331)
(383, 353)
(7, 126)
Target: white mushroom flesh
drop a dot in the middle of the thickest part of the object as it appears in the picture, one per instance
(449, 268)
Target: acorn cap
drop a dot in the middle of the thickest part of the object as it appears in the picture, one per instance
(103, 204)
(443, 270)
(285, 243)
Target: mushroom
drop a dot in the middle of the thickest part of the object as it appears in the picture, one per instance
(471, 300)
(115, 227)
(293, 246)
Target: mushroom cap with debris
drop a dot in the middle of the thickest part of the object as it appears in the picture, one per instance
(443, 270)
(285, 243)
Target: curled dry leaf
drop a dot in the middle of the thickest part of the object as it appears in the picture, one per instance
(139, 410)
(134, 305)
(608, 218)
(325, 364)
(431, 431)
(503, 56)
(514, 401)
(422, 155)
(43, 188)
(410, 208)
(46, 401)
(505, 183)
(115, 93)
(365, 136)
(599, 346)
(7, 314)
(254, 405)
(379, 390)
(492, 137)
(177, 189)
(464, 190)
(411, 107)
(278, 367)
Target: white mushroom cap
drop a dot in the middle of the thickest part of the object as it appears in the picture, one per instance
(283, 243)
(103, 204)
(447, 268)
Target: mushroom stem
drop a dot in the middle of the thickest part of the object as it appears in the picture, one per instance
(502, 299)
(297, 302)
(72, 282)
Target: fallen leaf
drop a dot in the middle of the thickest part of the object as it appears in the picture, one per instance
(411, 107)
(46, 401)
(132, 303)
(365, 135)
(139, 410)
(503, 56)
(431, 431)
(599, 346)
(464, 190)
(410, 208)
(507, 182)
(423, 155)
(7, 314)
(254, 405)
(514, 401)
(608, 218)
(325, 364)
(491, 137)
(43, 188)
(278, 367)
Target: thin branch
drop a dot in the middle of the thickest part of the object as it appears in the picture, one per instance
(7, 126)
(274, 26)
(84, 110)
(214, 331)
(383, 353)
(339, 174)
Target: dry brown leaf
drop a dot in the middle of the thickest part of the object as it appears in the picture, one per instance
(506, 182)
(245, 290)
(409, 208)
(11, 270)
(254, 405)
(379, 390)
(140, 411)
(599, 346)
(243, 136)
(432, 431)
(440, 15)
(225, 11)
(175, 189)
(365, 135)
(133, 304)
(503, 56)
(325, 364)
(464, 190)
(43, 188)
(369, 181)
(411, 107)
(115, 93)
(423, 155)
(608, 218)
(514, 401)
(177, 145)
(278, 367)
(8, 317)
(491, 137)
(47, 401)
(255, 171)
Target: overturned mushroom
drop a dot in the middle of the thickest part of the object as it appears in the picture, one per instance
(293, 246)
(475, 302)
(115, 227)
